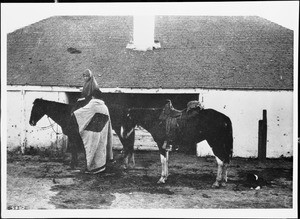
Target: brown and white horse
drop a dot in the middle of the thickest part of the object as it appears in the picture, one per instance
(191, 127)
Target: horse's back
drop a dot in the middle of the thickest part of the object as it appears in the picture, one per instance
(212, 116)
(212, 112)
(207, 124)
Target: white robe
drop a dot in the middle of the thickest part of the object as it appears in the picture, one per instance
(96, 132)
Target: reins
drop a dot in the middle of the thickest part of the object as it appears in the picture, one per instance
(53, 128)
(50, 126)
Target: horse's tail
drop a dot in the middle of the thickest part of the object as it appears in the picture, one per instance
(228, 141)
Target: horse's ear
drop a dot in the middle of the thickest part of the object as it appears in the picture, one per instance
(36, 100)
(127, 112)
(168, 102)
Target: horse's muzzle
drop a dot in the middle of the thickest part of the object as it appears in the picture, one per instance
(32, 123)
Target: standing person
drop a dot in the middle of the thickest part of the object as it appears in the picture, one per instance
(90, 84)
(95, 129)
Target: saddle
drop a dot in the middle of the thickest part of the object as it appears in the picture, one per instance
(171, 115)
(193, 105)
(169, 111)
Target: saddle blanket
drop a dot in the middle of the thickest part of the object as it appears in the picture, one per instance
(95, 129)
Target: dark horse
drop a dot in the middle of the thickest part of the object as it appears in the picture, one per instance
(61, 114)
(190, 127)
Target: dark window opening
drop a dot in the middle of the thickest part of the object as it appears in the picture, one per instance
(179, 101)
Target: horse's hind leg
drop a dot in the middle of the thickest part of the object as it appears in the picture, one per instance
(224, 175)
(128, 147)
(219, 173)
(221, 178)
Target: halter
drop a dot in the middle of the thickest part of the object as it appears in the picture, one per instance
(51, 125)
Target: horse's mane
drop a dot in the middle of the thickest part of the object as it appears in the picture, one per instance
(41, 100)
(145, 108)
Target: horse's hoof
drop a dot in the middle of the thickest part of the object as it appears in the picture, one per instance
(216, 185)
(161, 181)
(131, 166)
(123, 167)
(223, 184)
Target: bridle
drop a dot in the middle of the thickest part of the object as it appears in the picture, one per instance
(49, 126)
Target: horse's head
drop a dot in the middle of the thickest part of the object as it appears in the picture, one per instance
(128, 124)
(37, 112)
(166, 110)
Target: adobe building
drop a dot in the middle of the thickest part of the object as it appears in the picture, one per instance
(237, 65)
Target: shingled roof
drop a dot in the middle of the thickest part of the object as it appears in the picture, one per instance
(233, 52)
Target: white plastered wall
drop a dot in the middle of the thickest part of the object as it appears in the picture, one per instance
(245, 109)
(19, 133)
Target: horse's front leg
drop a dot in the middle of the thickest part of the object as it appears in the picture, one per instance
(164, 159)
(74, 155)
(129, 154)
(84, 168)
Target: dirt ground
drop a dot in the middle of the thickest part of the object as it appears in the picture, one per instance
(40, 182)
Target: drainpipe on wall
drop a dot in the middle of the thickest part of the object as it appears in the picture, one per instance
(23, 123)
